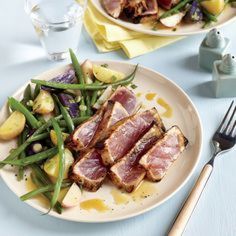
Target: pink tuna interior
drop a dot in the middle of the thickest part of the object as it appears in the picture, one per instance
(125, 137)
(126, 98)
(92, 167)
(161, 157)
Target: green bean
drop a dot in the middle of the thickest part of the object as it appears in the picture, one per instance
(47, 188)
(88, 98)
(85, 101)
(27, 96)
(82, 103)
(28, 93)
(16, 152)
(32, 159)
(88, 105)
(80, 78)
(175, 9)
(58, 208)
(36, 91)
(126, 80)
(210, 17)
(91, 87)
(40, 118)
(95, 94)
(76, 121)
(56, 109)
(36, 136)
(16, 105)
(65, 115)
(22, 155)
(61, 151)
(45, 126)
(206, 24)
(40, 174)
(19, 142)
(77, 67)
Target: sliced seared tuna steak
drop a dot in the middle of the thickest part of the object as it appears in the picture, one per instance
(161, 156)
(152, 8)
(127, 173)
(89, 171)
(83, 134)
(134, 8)
(114, 112)
(126, 133)
(113, 7)
(126, 98)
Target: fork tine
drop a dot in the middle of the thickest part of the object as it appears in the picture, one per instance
(233, 128)
(226, 115)
(231, 118)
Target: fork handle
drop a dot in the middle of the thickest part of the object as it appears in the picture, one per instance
(190, 203)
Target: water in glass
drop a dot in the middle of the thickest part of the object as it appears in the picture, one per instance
(58, 25)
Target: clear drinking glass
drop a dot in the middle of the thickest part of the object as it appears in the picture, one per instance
(58, 24)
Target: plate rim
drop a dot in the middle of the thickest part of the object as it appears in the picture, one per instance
(131, 215)
(155, 33)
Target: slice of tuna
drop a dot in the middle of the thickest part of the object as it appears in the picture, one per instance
(126, 98)
(126, 133)
(134, 9)
(84, 133)
(89, 171)
(152, 8)
(127, 173)
(113, 7)
(114, 112)
(161, 156)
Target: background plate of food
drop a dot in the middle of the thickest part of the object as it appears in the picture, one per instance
(168, 17)
(145, 146)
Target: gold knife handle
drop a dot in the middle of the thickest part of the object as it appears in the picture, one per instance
(189, 205)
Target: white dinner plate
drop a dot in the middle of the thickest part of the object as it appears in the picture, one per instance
(184, 115)
(227, 16)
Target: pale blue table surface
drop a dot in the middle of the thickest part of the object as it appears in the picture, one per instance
(22, 57)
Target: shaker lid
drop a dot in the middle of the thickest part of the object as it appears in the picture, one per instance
(214, 39)
(228, 64)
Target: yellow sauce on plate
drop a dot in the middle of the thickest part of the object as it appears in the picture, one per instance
(139, 94)
(119, 197)
(168, 110)
(94, 204)
(150, 96)
(40, 198)
(144, 190)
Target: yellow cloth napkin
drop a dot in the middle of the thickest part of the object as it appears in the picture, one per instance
(108, 36)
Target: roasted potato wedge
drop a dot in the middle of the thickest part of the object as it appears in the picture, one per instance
(107, 75)
(43, 104)
(13, 126)
(51, 166)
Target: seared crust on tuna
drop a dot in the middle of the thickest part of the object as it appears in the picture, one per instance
(121, 104)
(165, 151)
(114, 112)
(83, 134)
(126, 133)
(127, 173)
(89, 171)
